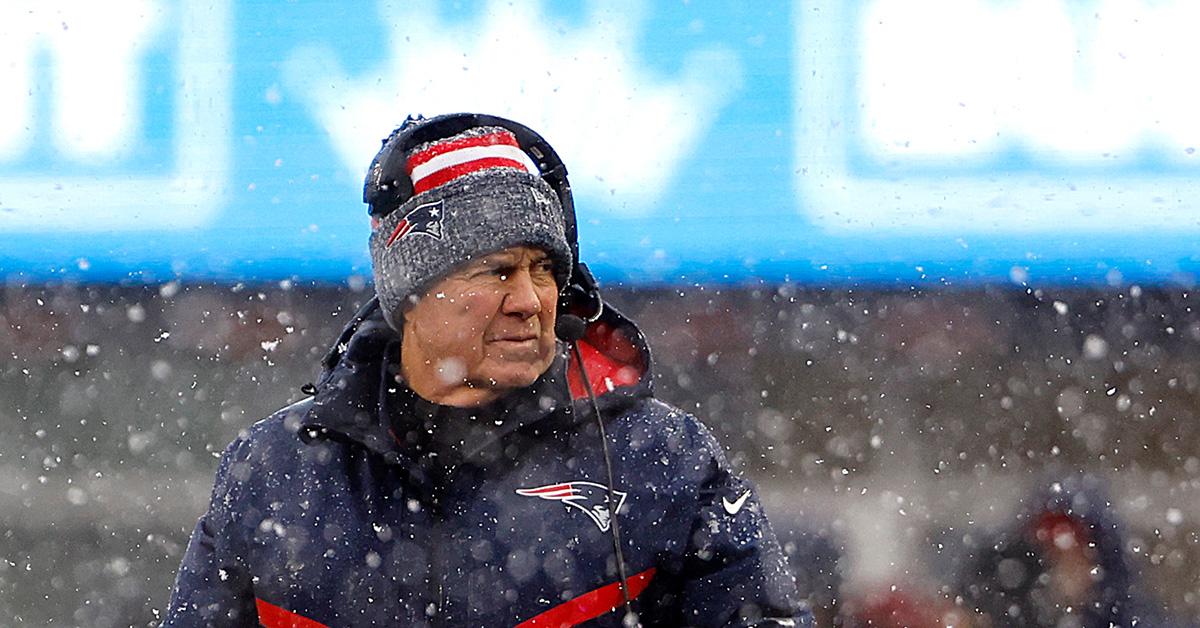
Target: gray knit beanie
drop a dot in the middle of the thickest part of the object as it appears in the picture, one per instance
(474, 193)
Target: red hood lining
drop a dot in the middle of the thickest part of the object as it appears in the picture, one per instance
(612, 360)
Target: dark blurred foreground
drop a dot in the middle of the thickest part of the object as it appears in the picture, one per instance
(896, 436)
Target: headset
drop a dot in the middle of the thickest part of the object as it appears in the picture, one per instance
(388, 186)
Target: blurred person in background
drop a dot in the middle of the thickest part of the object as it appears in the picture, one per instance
(1061, 564)
(483, 446)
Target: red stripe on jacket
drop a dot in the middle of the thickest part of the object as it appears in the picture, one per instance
(271, 616)
(590, 605)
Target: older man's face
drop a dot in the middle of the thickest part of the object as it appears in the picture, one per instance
(483, 330)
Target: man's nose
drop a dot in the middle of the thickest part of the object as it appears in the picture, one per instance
(521, 297)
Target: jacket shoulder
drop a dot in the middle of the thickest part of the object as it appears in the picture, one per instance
(284, 422)
(274, 440)
(653, 413)
(660, 431)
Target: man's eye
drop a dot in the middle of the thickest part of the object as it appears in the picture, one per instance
(491, 271)
(502, 273)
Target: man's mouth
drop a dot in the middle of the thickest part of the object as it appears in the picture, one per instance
(521, 347)
(515, 338)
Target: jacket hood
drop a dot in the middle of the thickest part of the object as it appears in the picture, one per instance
(359, 395)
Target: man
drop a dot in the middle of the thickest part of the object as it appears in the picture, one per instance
(452, 466)
(1060, 561)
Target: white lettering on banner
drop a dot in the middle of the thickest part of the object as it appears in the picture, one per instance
(938, 86)
(94, 49)
(583, 88)
(1073, 80)
(97, 52)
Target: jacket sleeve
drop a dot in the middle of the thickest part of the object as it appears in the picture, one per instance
(213, 585)
(735, 573)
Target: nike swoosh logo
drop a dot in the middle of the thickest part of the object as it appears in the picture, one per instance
(732, 507)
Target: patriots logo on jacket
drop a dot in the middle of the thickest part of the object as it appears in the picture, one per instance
(589, 497)
(423, 219)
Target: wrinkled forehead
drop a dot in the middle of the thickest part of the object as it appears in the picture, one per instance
(510, 256)
(504, 258)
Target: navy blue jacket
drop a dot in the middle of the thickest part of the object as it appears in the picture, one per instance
(368, 506)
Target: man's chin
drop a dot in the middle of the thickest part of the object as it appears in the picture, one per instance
(513, 376)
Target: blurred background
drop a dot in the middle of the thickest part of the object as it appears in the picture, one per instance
(926, 267)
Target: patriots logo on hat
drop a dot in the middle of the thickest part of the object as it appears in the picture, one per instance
(589, 497)
(423, 219)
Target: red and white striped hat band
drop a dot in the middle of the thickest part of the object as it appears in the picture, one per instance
(441, 162)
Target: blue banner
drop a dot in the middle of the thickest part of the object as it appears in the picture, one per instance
(893, 142)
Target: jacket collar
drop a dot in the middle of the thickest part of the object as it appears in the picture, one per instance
(360, 398)
(354, 370)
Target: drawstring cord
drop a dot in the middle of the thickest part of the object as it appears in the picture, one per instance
(630, 616)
